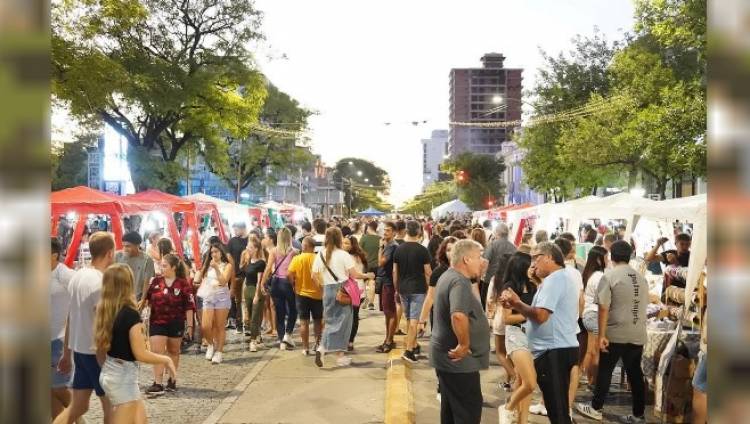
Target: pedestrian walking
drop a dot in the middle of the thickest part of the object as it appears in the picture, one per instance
(551, 329)
(351, 245)
(370, 243)
(622, 296)
(516, 277)
(596, 264)
(459, 345)
(411, 271)
(59, 303)
(138, 261)
(171, 303)
(309, 294)
(387, 291)
(331, 268)
(275, 277)
(214, 280)
(235, 247)
(118, 330)
(85, 289)
(254, 264)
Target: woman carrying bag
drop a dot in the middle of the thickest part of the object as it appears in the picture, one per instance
(275, 280)
(332, 268)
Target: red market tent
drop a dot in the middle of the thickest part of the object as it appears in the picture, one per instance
(84, 200)
(191, 209)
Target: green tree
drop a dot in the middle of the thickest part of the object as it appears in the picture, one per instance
(479, 184)
(356, 176)
(265, 156)
(164, 74)
(434, 195)
(70, 163)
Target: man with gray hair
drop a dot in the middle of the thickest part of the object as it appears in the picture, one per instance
(500, 248)
(459, 344)
(551, 329)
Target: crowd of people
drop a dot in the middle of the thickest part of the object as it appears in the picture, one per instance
(555, 318)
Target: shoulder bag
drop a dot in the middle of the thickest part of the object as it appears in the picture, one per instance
(349, 293)
(273, 279)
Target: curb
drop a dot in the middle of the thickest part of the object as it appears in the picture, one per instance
(240, 388)
(399, 399)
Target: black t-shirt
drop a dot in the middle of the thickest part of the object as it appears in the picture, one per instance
(251, 272)
(526, 297)
(120, 346)
(436, 274)
(411, 258)
(235, 247)
(385, 272)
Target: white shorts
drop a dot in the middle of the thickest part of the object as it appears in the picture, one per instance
(515, 339)
(119, 379)
(498, 326)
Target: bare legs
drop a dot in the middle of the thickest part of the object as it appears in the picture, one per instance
(220, 328)
(591, 361)
(130, 412)
(60, 399)
(503, 358)
(524, 386)
(79, 405)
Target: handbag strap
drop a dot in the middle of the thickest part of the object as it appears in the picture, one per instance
(335, 278)
(276, 268)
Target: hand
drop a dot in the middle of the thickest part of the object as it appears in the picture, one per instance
(397, 298)
(255, 300)
(64, 365)
(170, 366)
(509, 298)
(370, 276)
(263, 289)
(603, 344)
(458, 353)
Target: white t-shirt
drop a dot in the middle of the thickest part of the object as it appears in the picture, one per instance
(319, 238)
(590, 294)
(575, 275)
(85, 290)
(59, 300)
(341, 262)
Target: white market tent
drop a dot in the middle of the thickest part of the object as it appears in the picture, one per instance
(634, 209)
(233, 212)
(454, 206)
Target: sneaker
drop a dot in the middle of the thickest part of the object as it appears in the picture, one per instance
(400, 333)
(505, 416)
(417, 350)
(209, 352)
(239, 330)
(343, 361)
(282, 346)
(505, 387)
(318, 358)
(217, 358)
(253, 346)
(350, 348)
(288, 340)
(305, 352)
(632, 419)
(155, 389)
(171, 385)
(587, 410)
(371, 307)
(231, 324)
(409, 356)
(538, 409)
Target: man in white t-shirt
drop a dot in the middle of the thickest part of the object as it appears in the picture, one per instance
(59, 300)
(320, 226)
(85, 290)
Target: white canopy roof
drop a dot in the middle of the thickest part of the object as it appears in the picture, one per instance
(233, 212)
(454, 206)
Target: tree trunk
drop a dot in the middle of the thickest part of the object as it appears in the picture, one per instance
(661, 188)
(632, 176)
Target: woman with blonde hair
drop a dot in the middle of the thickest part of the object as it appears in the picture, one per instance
(276, 280)
(332, 266)
(119, 332)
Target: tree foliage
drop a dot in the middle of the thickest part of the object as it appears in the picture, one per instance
(70, 163)
(647, 113)
(482, 178)
(365, 179)
(262, 157)
(434, 195)
(164, 73)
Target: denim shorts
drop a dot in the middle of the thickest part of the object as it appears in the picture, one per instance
(57, 379)
(86, 374)
(120, 380)
(515, 339)
(700, 379)
(220, 300)
(412, 304)
(591, 322)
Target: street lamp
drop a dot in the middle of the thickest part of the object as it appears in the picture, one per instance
(367, 180)
(497, 99)
(359, 173)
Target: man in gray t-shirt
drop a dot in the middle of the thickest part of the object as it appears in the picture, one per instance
(622, 296)
(140, 263)
(459, 345)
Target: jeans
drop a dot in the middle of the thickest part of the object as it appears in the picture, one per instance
(553, 376)
(285, 304)
(460, 398)
(631, 362)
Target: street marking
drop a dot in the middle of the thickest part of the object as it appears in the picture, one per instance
(399, 399)
(228, 401)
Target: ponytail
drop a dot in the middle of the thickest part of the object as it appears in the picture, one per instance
(179, 266)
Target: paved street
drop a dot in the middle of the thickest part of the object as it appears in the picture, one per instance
(273, 386)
